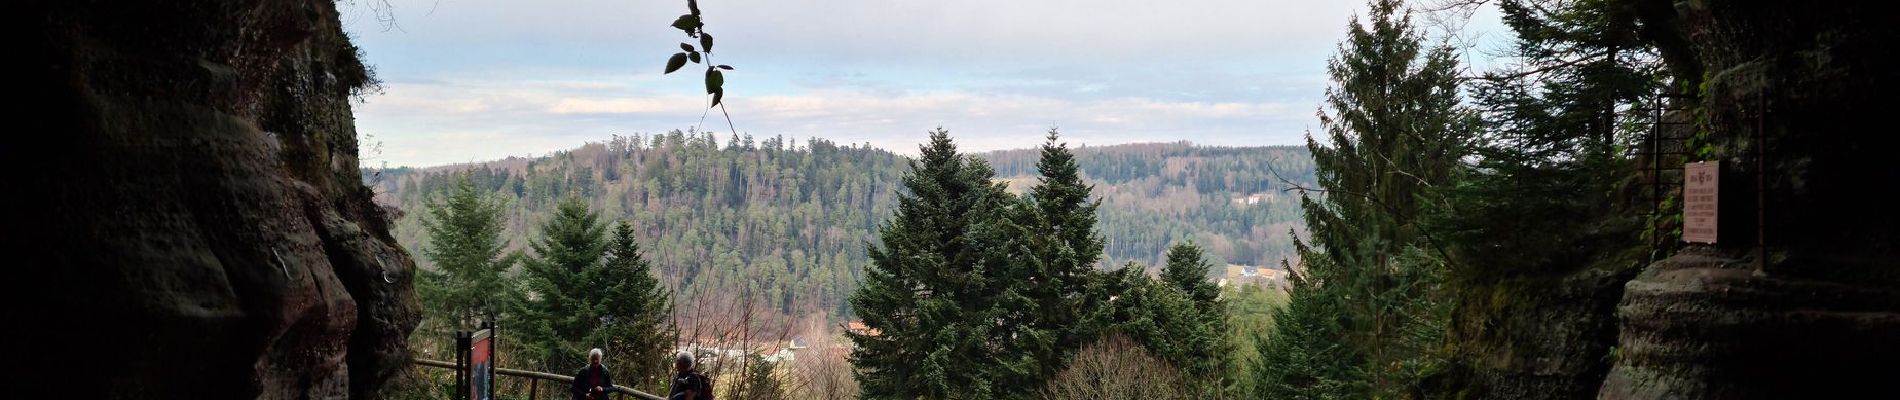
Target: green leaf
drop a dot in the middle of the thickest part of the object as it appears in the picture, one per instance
(718, 95)
(674, 64)
(714, 80)
(705, 41)
(687, 23)
(693, 5)
(725, 67)
(694, 56)
(687, 47)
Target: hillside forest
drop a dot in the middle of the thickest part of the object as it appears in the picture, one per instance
(770, 238)
(1629, 199)
(1446, 233)
(790, 220)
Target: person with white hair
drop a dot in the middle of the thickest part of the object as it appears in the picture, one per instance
(688, 383)
(593, 382)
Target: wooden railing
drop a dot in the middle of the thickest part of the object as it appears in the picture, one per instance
(535, 377)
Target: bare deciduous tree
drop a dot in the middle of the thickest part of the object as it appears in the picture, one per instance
(1117, 367)
(823, 370)
(727, 332)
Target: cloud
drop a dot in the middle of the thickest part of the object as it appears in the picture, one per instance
(446, 122)
(483, 79)
(903, 31)
(618, 106)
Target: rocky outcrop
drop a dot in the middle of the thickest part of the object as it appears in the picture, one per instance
(1541, 337)
(1702, 326)
(187, 219)
(1796, 92)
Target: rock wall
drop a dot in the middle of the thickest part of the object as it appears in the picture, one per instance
(186, 218)
(1541, 337)
(1798, 92)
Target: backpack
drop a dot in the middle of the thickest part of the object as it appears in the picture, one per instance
(705, 386)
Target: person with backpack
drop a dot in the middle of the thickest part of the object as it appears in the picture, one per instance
(688, 383)
(593, 382)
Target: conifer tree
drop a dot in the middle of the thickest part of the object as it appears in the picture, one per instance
(467, 250)
(1205, 324)
(1394, 131)
(924, 291)
(1187, 271)
(1551, 158)
(633, 311)
(1169, 324)
(1304, 357)
(562, 301)
(1045, 253)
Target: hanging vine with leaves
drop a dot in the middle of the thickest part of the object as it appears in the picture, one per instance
(695, 27)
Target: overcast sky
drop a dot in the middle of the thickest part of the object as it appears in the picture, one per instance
(474, 80)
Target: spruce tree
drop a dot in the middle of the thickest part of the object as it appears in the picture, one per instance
(1187, 271)
(467, 250)
(1551, 159)
(1048, 249)
(1204, 326)
(1016, 294)
(563, 303)
(1304, 358)
(633, 311)
(924, 291)
(1394, 131)
(1170, 324)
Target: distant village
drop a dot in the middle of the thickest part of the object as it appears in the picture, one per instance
(1262, 276)
(773, 350)
(787, 350)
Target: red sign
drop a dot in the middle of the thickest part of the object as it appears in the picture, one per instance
(1700, 191)
(482, 362)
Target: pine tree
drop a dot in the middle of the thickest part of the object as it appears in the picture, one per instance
(1304, 358)
(1554, 159)
(1016, 294)
(1205, 325)
(1187, 271)
(1044, 255)
(563, 303)
(1155, 314)
(467, 249)
(1551, 158)
(924, 291)
(633, 310)
(1395, 131)
(1170, 324)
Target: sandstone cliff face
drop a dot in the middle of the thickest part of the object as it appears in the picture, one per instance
(187, 219)
(1703, 326)
(1816, 313)
(1542, 337)
(1800, 91)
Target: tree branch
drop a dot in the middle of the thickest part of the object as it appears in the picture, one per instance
(1423, 231)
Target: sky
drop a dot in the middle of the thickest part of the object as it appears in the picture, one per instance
(477, 80)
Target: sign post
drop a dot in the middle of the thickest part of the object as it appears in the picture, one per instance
(461, 364)
(1701, 190)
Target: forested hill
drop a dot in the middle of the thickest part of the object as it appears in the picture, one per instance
(1227, 199)
(790, 220)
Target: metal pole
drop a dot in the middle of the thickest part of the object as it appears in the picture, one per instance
(1761, 187)
(461, 365)
(1655, 180)
(493, 361)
